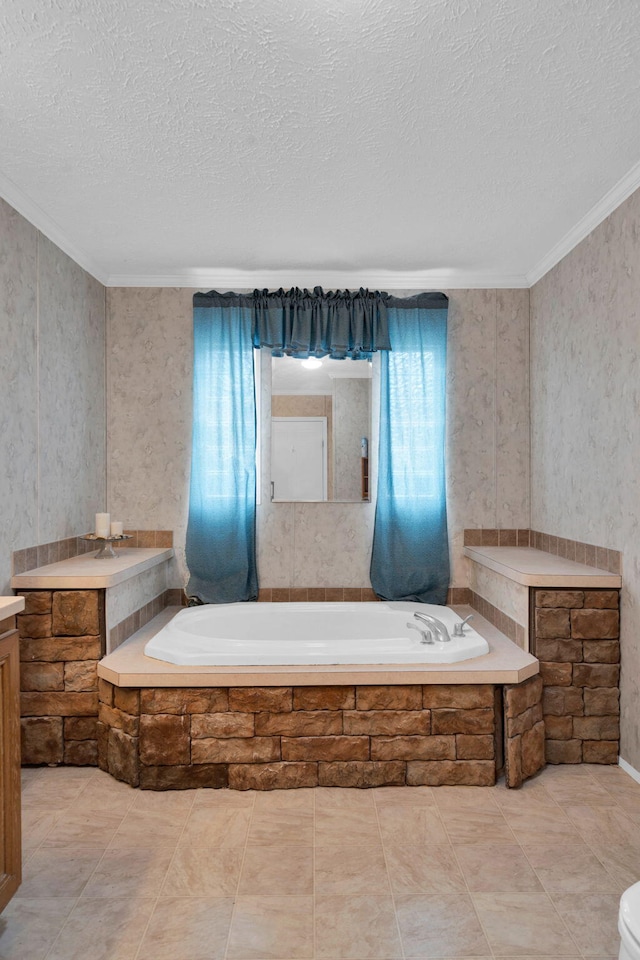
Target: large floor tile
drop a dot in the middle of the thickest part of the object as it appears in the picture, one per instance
(208, 797)
(150, 828)
(590, 791)
(271, 928)
(194, 929)
(621, 861)
(300, 801)
(604, 824)
(440, 925)
(345, 825)
(28, 928)
(541, 825)
(469, 798)
(59, 870)
(496, 868)
(351, 870)
(277, 870)
(281, 824)
(103, 930)
(423, 796)
(423, 868)
(87, 826)
(592, 919)
(342, 798)
(210, 826)
(415, 823)
(570, 868)
(356, 928)
(37, 823)
(523, 924)
(469, 826)
(134, 872)
(203, 872)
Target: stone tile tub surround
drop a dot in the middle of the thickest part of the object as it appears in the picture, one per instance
(264, 738)
(286, 726)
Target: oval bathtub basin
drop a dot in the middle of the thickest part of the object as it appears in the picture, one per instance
(252, 634)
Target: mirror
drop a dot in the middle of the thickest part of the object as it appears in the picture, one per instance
(320, 430)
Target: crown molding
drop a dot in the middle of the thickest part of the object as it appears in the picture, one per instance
(329, 279)
(228, 279)
(599, 212)
(43, 222)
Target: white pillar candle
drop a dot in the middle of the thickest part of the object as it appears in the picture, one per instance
(102, 524)
(116, 528)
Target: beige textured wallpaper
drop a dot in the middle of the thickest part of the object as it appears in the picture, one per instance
(585, 415)
(52, 392)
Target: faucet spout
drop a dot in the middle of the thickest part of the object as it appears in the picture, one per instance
(436, 626)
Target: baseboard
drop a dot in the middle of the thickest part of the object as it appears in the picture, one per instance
(629, 769)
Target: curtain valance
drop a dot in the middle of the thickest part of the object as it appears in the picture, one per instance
(303, 323)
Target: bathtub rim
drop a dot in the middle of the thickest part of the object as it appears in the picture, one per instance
(127, 666)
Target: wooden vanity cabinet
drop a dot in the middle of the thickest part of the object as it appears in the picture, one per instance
(10, 832)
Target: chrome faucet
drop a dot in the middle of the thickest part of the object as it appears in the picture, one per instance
(458, 630)
(437, 627)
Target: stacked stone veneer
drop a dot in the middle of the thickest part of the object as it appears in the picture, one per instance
(61, 635)
(576, 638)
(279, 737)
(524, 731)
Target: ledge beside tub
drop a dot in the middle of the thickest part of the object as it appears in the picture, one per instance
(75, 611)
(567, 615)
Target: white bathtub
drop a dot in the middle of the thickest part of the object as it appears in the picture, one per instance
(308, 633)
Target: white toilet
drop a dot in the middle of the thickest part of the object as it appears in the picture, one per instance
(629, 924)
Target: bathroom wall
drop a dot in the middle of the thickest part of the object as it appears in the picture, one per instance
(52, 392)
(149, 360)
(585, 414)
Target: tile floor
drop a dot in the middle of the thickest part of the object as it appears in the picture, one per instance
(112, 873)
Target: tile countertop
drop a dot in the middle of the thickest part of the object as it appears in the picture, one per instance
(535, 568)
(128, 666)
(86, 572)
(9, 606)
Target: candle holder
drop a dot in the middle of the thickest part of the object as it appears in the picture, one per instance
(106, 550)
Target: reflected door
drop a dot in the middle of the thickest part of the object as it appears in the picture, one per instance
(299, 458)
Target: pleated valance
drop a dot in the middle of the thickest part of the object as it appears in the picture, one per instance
(301, 323)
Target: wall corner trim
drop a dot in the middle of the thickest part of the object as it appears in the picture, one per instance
(635, 774)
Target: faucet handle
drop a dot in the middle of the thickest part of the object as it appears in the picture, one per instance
(458, 628)
(425, 633)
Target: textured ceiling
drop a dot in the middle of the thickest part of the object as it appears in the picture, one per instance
(194, 138)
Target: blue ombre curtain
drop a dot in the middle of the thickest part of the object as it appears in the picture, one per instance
(220, 550)
(410, 559)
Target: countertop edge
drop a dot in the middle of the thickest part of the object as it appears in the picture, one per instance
(603, 579)
(10, 606)
(42, 581)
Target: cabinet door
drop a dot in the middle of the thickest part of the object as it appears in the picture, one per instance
(10, 836)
